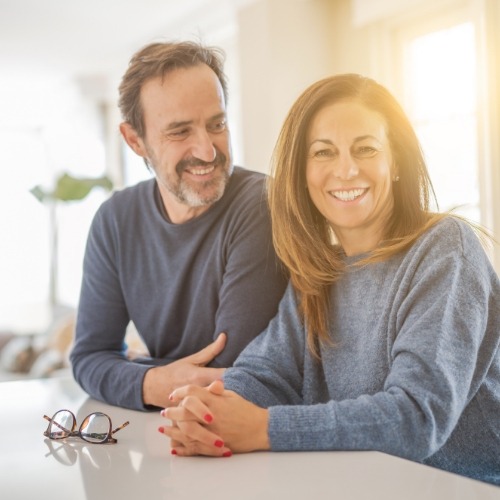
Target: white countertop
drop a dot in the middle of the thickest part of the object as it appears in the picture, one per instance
(140, 466)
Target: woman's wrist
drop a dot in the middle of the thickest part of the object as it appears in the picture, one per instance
(262, 433)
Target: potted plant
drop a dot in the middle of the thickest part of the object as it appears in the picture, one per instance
(66, 189)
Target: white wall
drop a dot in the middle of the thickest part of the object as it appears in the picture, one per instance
(284, 46)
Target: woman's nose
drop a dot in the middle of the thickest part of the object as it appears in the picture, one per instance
(345, 167)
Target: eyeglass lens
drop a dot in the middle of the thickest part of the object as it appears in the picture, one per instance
(96, 427)
(62, 425)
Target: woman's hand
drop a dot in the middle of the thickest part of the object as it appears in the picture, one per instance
(215, 422)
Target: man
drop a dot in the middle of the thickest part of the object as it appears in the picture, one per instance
(185, 256)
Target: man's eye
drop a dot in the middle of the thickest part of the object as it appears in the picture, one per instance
(183, 131)
(218, 126)
(179, 133)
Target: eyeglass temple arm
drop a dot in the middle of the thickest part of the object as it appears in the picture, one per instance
(55, 423)
(120, 427)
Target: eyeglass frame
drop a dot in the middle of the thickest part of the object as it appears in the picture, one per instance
(78, 433)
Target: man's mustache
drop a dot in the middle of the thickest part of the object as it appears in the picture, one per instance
(220, 159)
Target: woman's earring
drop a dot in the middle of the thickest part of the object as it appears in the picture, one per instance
(395, 178)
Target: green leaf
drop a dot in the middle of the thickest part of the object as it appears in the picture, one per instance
(69, 188)
(39, 193)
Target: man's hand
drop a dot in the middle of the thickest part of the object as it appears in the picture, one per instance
(160, 381)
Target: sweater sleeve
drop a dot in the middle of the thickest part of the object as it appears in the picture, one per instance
(98, 357)
(443, 349)
(253, 280)
(270, 370)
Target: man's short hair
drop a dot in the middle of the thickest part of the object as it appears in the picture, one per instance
(156, 60)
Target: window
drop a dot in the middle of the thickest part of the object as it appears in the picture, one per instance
(440, 82)
(447, 70)
(48, 126)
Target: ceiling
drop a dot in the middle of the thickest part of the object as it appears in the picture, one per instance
(92, 37)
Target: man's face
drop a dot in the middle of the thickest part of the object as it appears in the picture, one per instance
(186, 140)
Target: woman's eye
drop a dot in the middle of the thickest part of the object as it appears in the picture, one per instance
(323, 154)
(366, 151)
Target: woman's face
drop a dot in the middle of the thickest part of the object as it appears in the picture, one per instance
(349, 173)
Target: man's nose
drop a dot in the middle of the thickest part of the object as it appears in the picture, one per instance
(203, 147)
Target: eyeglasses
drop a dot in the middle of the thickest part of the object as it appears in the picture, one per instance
(95, 428)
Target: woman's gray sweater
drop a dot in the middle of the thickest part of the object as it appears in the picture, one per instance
(414, 365)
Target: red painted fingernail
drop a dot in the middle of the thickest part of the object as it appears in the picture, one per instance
(219, 443)
(208, 418)
(161, 429)
(227, 454)
(173, 452)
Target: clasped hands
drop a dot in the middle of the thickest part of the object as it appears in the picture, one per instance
(214, 421)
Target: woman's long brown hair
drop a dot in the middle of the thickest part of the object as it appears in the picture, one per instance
(301, 235)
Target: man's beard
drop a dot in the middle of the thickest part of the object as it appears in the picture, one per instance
(183, 191)
(207, 192)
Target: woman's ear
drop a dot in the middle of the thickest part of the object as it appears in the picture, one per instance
(132, 139)
(395, 173)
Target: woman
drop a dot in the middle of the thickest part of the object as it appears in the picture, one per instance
(388, 335)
